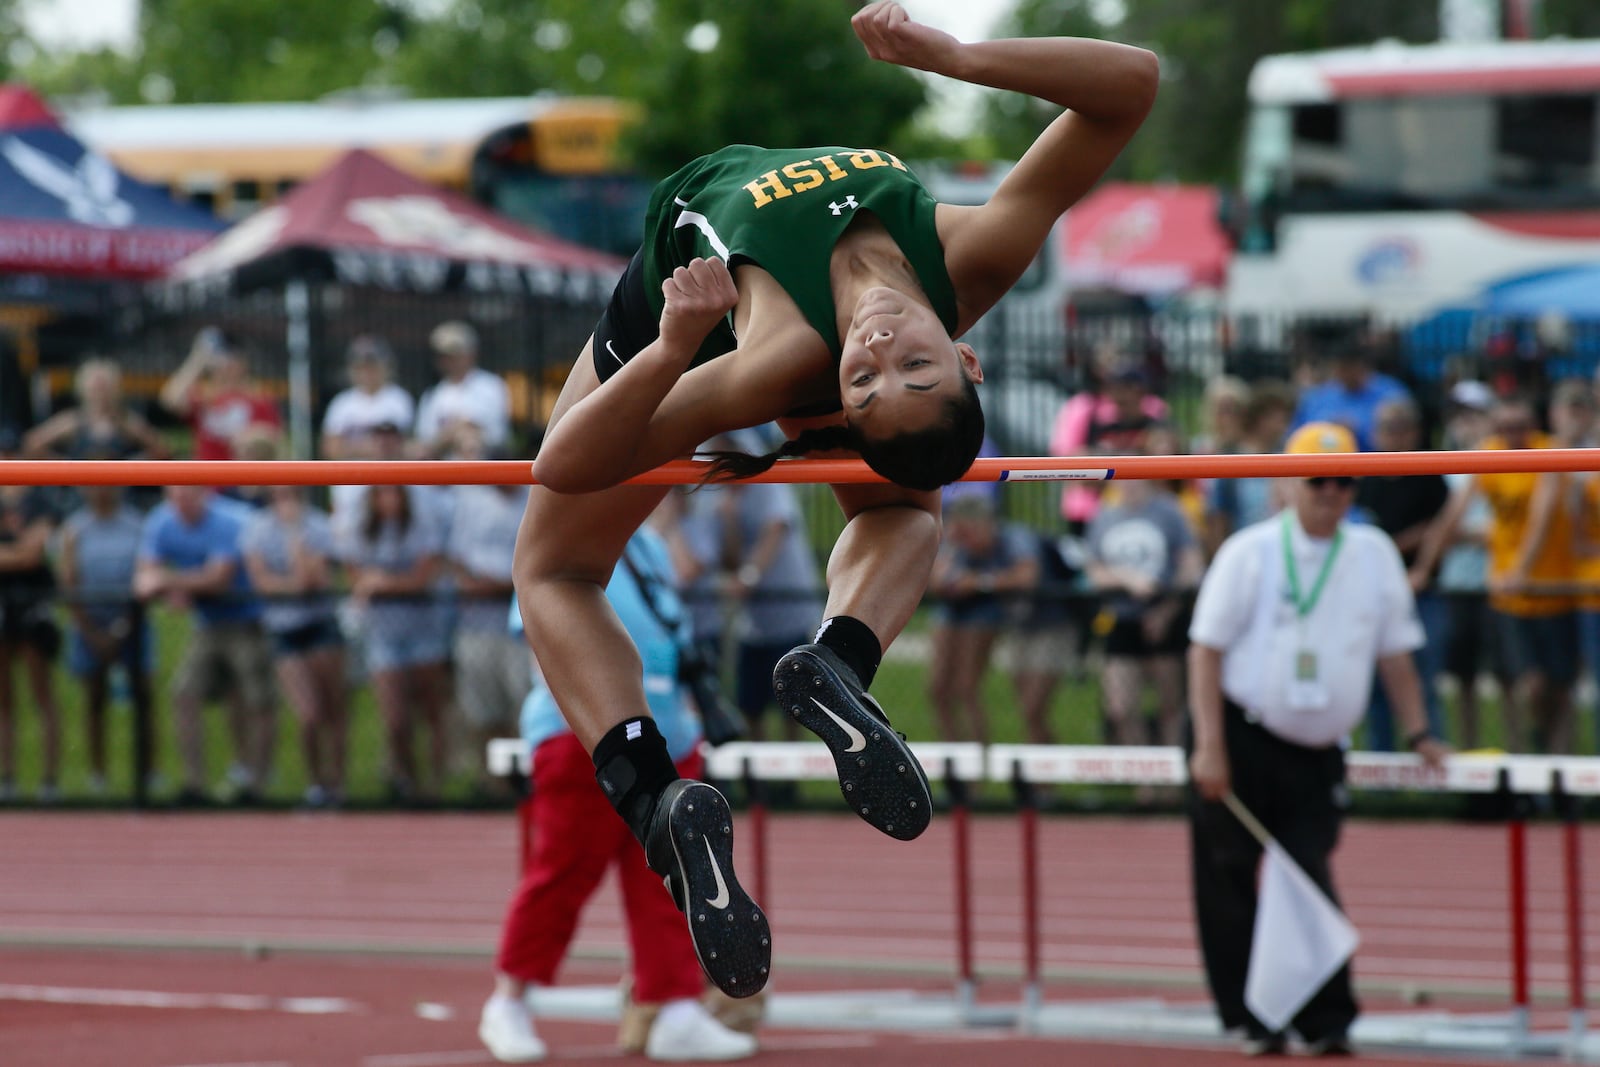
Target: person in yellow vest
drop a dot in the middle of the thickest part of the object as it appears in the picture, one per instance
(1555, 538)
(1584, 496)
(1531, 569)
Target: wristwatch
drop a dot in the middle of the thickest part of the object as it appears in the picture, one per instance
(749, 575)
(1417, 738)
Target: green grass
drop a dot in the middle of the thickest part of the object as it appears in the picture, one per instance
(365, 773)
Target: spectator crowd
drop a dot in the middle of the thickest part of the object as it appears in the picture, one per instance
(1503, 565)
(288, 603)
(293, 597)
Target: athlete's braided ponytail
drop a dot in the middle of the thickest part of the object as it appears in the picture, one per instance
(731, 466)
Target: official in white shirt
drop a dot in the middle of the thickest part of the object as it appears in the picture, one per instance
(1292, 618)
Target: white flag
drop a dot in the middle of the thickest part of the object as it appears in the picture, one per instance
(1301, 939)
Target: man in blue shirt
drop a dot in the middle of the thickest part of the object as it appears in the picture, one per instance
(189, 559)
(1351, 397)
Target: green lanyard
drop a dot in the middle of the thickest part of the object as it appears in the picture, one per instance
(1303, 607)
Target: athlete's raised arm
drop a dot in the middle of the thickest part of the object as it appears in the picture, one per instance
(1106, 90)
(620, 429)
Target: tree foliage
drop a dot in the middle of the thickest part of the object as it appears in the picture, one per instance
(780, 73)
(706, 72)
(709, 72)
(1207, 51)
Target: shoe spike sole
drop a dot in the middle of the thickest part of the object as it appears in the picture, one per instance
(879, 776)
(730, 931)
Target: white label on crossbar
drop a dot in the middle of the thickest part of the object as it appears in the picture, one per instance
(1103, 474)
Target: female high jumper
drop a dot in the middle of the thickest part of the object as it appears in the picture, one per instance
(823, 288)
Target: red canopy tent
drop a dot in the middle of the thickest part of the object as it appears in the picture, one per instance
(365, 222)
(1146, 239)
(367, 225)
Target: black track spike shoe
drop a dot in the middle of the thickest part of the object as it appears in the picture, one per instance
(690, 844)
(878, 774)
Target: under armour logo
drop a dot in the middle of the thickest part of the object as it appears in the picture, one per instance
(849, 202)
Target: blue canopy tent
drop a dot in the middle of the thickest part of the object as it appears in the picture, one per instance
(1574, 292)
(1513, 307)
(67, 211)
(78, 238)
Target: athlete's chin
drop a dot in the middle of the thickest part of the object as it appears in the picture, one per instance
(879, 300)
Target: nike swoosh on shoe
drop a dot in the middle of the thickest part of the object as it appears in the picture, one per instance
(858, 740)
(720, 901)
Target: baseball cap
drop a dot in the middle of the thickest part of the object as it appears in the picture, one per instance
(1472, 394)
(454, 336)
(1320, 438)
(1127, 371)
(368, 348)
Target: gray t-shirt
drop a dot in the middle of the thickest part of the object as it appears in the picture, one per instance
(785, 603)
(483, 537)
(274, 541)
(396, 550)
(106, 553)
(1148, 538)
(1465, 567)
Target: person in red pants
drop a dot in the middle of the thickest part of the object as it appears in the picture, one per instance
(576, 838)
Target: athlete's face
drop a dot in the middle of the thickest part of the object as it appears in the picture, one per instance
(899, 366)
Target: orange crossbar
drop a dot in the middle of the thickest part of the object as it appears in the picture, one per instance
(829, 471)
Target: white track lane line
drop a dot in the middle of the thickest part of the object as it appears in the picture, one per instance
(589, 1053)
(146, 998)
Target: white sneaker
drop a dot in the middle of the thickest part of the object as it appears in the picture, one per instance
(506, 1030)
(686, 1031)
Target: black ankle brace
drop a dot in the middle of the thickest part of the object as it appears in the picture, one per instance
(632, 766)
(854, 642)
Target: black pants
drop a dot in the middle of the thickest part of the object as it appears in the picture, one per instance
(1299, 795)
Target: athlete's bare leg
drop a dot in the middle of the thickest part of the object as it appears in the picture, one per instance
(876, 576)
(567, 547)
(880, 565)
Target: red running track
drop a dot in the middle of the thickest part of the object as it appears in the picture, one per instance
(421, 1013)
(1429, 899)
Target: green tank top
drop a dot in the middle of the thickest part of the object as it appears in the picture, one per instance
(784, 209)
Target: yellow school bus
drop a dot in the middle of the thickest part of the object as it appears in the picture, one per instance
(546, 160)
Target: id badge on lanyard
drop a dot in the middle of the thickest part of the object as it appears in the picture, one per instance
(1308, 688)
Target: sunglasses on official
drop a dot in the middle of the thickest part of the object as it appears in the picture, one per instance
(1336, 481)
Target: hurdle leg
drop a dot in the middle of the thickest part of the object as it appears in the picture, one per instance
(1517, 861)
(756, 807)
(1572, 863)
(1029, 820)
(966, 980)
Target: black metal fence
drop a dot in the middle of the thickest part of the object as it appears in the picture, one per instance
(142, 740)
(530, 341)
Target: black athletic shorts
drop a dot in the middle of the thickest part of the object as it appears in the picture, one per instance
(627, 325)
